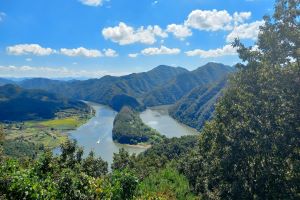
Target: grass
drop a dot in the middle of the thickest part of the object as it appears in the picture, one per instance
(66, 123)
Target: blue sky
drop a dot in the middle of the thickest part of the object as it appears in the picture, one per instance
(91, 38)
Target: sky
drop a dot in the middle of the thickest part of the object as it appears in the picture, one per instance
(92, 38)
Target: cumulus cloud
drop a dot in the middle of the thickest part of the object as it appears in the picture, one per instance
(110, 53)
(245, 31)
(209, 20)
(241, 17)
(25, 49)
(214, 20)
(92, 2)
(133, 55)
(51, 72)
(179, 31)
(81, 51)
(35, 49)
(124, 34)
(160, 51)
(227, 50)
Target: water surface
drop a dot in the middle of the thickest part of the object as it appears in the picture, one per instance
(159, 119)
(96, 134)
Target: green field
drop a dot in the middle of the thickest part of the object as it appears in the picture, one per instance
(49, 133)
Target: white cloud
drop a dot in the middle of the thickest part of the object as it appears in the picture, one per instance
(133, 55)
(124, 34)
(160, 51)
(209, 20)
(81, 51)
(110, 53)
(2, 15)
(241, 17)
(51, 72)
(179, 31)
(35, 49)
(92, 2)
(245, 31)
(25, 49)
(214, 20)
(227, 50)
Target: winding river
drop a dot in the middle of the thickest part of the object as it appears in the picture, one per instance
(96, 134)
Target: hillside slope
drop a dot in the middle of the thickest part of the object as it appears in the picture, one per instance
(17, 104)
(185, 82)
(198, 105)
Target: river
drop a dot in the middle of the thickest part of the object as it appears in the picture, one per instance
(96, 134)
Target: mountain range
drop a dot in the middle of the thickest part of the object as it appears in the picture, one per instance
(161, 85)
(195, 90)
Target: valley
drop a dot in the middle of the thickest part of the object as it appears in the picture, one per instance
(150, 100)
(132, 113)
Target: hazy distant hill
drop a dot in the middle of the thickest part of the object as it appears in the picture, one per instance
(18, 104)
(4, 81)
(198, 105)
(185, 82)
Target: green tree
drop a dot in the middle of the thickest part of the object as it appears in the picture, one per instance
(167, 183)
(122, 160)
(251, 149)
(124, 184)
(94, 167)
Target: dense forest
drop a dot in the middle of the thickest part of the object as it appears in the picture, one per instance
(129, 129)
(195, 108)
(250, 148)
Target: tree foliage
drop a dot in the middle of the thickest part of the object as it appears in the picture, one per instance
(250, 150)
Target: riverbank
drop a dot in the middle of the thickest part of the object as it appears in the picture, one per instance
(47, 133)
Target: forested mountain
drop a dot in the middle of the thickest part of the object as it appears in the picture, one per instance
(197, 106)
(185, 82)
(103, 90)
(18, 104)
(161, 85)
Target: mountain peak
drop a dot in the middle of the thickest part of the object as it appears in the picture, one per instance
(168, 68)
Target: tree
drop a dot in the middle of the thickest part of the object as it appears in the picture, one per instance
(124, 184)
(122, 160)
(2, 137)
(94, 167)
(251, 149)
